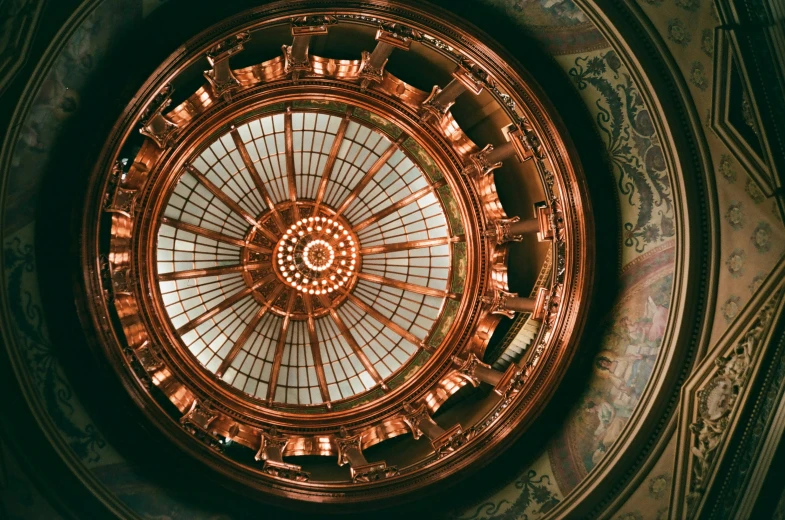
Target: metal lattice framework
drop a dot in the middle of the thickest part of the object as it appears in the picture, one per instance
(274, 352)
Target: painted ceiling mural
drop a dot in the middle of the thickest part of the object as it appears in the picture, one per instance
(635, 327)
(752, 233)
(752, 239)
(752, 236)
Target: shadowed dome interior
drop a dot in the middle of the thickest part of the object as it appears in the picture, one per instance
(239, 186)
(306, 257)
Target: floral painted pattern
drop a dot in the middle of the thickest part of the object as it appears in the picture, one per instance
(689, 5)
(536, 497)
(735, 263)
(753, 190)
(698, 75)
(756, 282)
(707, 42)
(761, 237)
(735, 215)
(633, 146)
(678, 32)
(659, 486)
(726, 168)
(731, 308)
(55, 390)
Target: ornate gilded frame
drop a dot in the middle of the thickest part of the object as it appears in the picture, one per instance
(113, 310)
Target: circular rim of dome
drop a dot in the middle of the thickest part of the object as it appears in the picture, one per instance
(141, 366)
(159, 191)
(353, 412)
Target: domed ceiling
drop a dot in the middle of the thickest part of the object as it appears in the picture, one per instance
(372, 255)
(308, 257)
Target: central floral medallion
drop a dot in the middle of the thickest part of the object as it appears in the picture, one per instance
(316, 255)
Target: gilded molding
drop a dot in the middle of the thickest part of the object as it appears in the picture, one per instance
(154, 124)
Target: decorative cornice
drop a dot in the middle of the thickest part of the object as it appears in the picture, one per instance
(752, 460)
(713, 398)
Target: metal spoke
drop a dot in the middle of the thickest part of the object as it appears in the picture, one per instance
(417, 195)
(223, 305)
(257, 179)
(346, 333)
(279, 348)
(214, 235)
(315, 352)
(411, 338)
(372, 171)
(209, 271)
(238, 345)
(221, 195)
(419, 289)
(290, 174)
(402, 246)
(330, 164)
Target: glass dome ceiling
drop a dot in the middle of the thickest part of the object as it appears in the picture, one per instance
(308, 256)
(306, 277)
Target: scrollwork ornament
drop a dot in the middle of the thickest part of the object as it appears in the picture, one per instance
(345, 442)
(468, 367)
(369, 73)
(451, 442)
(479, 164)
(717, 400)
(154, 124)
(414, 416)
(497, 301)
(123, 281)
(286, 471)
(293, 65)
(432, 109)
(517, 382)
(400, 31)
(197, 422)
(501, 231)
(476, 74)
(118, 199)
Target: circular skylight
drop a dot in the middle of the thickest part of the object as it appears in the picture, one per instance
(303, 257)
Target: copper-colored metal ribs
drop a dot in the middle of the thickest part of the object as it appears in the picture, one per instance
(285, 306)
